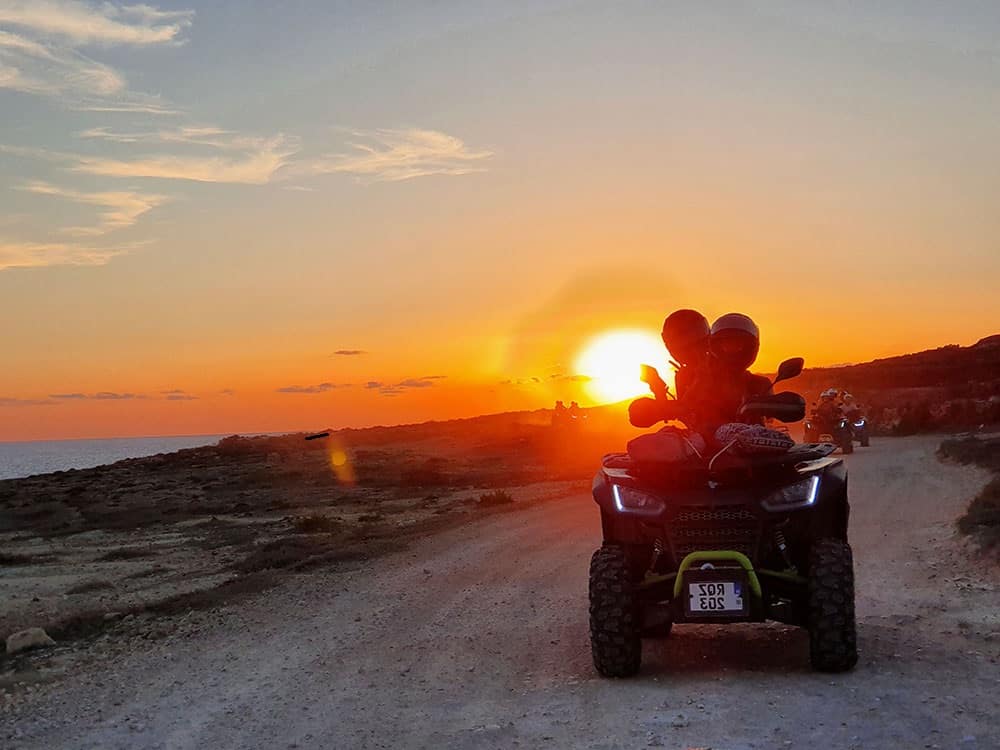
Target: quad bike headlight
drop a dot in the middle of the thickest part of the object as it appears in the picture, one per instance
(793, 497)
(631, 500)
(860, 423)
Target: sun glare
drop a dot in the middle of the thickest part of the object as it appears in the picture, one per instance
(611, 360)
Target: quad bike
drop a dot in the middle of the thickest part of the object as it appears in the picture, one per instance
(838, 430)
(860, 429)
(721, 539)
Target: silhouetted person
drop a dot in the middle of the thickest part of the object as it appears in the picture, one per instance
(685, 334)
(712, 389)
(560, 415)
(574, 410)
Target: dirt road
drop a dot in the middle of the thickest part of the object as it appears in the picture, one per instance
(478, 638)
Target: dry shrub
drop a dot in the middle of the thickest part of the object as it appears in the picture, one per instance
(497, 497)
(11, 558)
(316, 524)
(982, 519)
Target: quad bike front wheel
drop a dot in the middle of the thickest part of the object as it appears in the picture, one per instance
(865, 441)
(614, 622)
(833, 643)
(847, 445)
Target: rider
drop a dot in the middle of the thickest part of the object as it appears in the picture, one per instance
(828, 410)
(850, 406)
(716, 398)
(685, 334)
(716, 381)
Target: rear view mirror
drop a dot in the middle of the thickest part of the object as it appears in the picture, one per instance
(785, 407)
(790, 368)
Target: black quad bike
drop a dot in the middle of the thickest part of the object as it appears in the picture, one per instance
(860, 429)
(727, 538)
(838, 430)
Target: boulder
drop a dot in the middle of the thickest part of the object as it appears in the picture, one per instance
(25, 639)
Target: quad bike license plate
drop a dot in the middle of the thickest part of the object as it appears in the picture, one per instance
(715, 596)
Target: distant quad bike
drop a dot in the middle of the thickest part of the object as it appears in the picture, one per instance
(860, 429)
(726, 539)
(839, 432)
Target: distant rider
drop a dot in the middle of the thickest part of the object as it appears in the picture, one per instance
(828, 411)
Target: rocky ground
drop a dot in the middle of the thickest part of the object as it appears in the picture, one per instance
(476, 636)
(126, 550)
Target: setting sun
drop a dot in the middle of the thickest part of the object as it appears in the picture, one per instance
(611, 360)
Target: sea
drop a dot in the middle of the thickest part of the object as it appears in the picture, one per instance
(44, 456)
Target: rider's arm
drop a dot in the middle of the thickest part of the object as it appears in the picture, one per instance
(646, 412)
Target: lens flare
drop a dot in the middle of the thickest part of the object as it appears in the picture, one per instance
(340, 461)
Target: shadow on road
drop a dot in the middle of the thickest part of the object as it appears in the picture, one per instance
(694, 649)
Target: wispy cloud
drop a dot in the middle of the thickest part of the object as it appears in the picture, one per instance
(104, 23)
(121, 209)
(257, 161)
(40, 254)
(99, 396)
(42, 55)
(389, 155)
(349, 352)
(320, 388)
(178, 394)
(394, 389)
(233, 158)
(198, 135)
(15, 402)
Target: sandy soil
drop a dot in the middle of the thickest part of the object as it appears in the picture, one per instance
(477, 637)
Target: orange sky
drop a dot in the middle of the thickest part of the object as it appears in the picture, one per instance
(467, 195)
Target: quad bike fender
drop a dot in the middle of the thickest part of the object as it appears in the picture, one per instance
(831, 514)
(617, 527)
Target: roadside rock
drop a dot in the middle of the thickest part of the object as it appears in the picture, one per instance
(25, 639)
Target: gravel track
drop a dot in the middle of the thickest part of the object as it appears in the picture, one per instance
(477, 637)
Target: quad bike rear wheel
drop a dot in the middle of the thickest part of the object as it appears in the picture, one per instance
(615, 642)
(833, 645)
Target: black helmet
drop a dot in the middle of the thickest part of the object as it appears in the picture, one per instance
(685, 334)
(735, 340)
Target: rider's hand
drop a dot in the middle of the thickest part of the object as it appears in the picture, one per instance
(644, 412)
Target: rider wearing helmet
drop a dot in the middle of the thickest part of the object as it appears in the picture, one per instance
(733, 345)
(685, 334)
(850, 406)
(828, 410)
(715, 381)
